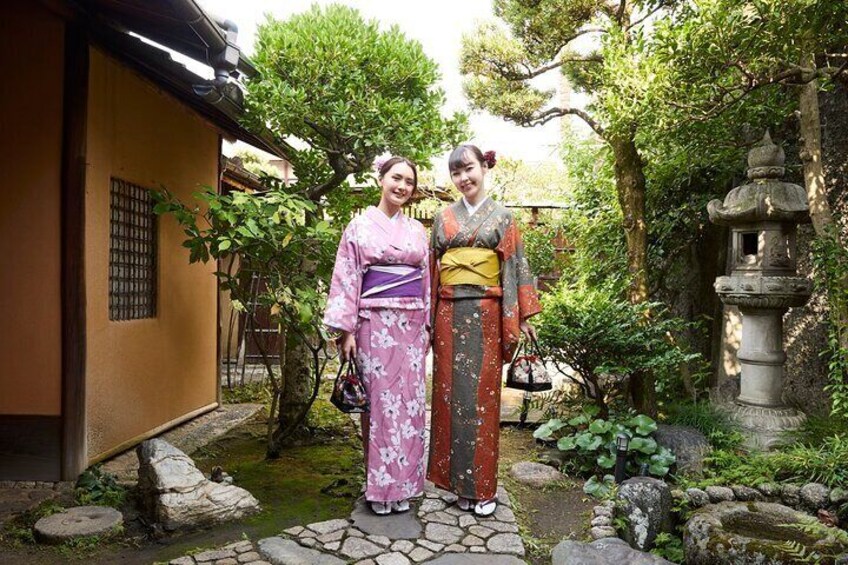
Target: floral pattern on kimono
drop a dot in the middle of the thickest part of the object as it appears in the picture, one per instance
(392, 340)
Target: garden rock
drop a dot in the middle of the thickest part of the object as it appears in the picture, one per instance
(744, 493)
(78, 522)
(838, 496)
(719, 494)
(791, 495)
(646, 506)
(175, 494)
(535, 474)
(737, 533)
(609, 551)
(697, 497)
(770, 490)
(815, 496)
(688, 445)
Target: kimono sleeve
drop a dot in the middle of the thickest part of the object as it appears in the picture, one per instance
(345, 287)
(520, 299)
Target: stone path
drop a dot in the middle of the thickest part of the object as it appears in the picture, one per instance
(434, 531)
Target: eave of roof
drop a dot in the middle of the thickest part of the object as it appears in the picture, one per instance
(183, 26)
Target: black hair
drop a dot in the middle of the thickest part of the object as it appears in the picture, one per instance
(459, 157)
(386, 167)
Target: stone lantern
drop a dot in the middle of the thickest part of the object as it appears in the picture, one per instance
(763, 216)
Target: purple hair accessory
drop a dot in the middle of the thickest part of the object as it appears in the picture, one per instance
(379, 162)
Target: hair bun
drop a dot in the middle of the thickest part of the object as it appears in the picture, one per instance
(489, 156)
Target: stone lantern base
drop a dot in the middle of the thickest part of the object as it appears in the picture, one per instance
(763, 426)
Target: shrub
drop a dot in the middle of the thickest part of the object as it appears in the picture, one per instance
(707, 418)
(595, 333)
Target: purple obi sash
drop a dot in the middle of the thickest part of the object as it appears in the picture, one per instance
(392, 281)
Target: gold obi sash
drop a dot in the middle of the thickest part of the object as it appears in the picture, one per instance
(470, 265)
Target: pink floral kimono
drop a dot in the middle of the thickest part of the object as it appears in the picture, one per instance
(380, 291)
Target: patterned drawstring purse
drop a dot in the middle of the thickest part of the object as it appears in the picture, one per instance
(528, 372)
(349, 393)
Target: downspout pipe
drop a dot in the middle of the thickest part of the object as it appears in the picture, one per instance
(222, 53)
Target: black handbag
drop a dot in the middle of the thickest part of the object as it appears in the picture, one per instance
(349, 394)
(528, 372)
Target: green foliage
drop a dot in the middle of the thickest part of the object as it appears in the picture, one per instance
(830, 258)
(602, 488)
(540, 249)
(350, 91)
(593, 444)
(594, 333)
(99, 488)
(709, 419)
(826, 463)
(272, 234)
(669, 546)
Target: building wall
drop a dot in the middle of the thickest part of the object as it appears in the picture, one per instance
(32, 59)
(145, 375)
(30, 155)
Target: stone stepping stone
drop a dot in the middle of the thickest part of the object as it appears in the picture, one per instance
(78, 522)
(610, 551)
(394, 526)
(535, 474)
(476, 559)
(281, 551)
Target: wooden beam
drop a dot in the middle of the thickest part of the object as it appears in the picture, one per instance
(75, 116)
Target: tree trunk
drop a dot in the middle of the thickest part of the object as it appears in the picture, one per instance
(820, 212)
(811, 155)
(630, 186)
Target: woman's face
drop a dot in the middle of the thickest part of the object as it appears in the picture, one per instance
(469, 179)
(398, 184)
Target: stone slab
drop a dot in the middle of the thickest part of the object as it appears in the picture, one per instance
(281, 551)
(478, 559)
(394, 526)
(610, 551)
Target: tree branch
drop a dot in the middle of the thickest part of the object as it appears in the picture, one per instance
(548, 115)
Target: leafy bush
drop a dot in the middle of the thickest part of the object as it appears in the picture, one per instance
(540, 249)
(593, 443)
(594, 332)
(99, 488)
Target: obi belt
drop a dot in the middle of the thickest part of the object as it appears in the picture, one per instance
(469, 265)
(392, 281)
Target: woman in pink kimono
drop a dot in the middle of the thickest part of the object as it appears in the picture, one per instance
(379, 301)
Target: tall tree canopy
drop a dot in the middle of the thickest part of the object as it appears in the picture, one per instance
(348, 91)
(536, 37)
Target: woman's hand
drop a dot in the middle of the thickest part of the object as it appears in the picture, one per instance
(528, 330)
(347, 346)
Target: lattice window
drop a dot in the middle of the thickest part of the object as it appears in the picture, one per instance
(132, 252)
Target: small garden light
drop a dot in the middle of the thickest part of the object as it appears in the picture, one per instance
(622, 443)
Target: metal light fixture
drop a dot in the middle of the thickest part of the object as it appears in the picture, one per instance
(622, 444)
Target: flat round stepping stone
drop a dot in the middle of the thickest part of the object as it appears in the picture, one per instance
(404, 525)
(78, 522)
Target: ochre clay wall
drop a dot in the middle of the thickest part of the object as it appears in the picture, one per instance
(30, 157)
(145, 375)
